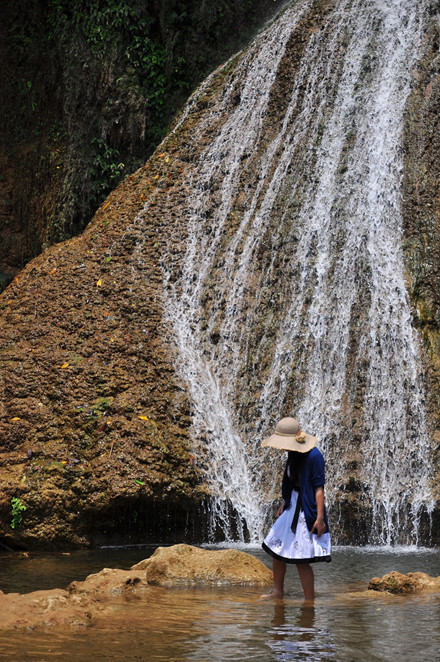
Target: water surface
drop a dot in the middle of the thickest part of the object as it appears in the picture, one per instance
(221, 624)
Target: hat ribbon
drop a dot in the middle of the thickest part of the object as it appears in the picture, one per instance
(300, 437)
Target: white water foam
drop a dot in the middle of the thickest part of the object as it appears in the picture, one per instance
(336, 167)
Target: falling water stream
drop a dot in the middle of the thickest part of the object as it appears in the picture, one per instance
(290, 293)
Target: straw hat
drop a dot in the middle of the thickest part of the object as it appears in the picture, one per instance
(289, 436)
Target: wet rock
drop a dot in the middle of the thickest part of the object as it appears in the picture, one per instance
(46, 608)
(184, 564)
(88, 374)
(108, 582)
(413, 582)
(84, 601)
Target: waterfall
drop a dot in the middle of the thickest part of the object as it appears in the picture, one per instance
(289, 294)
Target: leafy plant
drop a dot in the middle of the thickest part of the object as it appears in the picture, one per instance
(106, 170)
(17, 512)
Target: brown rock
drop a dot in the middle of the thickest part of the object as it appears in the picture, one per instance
(109, 581)
(413, 582)
(84, 602)
(46, 608)
(184, 564)
(88, 377)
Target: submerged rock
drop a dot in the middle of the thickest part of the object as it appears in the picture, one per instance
(176, 566)
(413, 582)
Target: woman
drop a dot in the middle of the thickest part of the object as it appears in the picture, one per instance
(300, 535)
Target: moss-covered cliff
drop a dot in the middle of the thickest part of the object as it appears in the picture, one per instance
(421, 217)
(94, 421)
(94, 424)
(88, 89)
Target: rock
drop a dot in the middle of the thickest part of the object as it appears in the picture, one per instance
(108, 582)
(83, 602)
(413, 582)
(184, 564)
(46, 608)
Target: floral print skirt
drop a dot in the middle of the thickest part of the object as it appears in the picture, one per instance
(300, 547)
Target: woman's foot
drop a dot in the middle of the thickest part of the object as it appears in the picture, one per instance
(273, 595)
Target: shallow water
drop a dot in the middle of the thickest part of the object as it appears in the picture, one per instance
(217, 625)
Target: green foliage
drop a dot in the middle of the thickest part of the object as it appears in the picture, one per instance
(118, 26)
(147, 62)
(17, 512)
(98, 82)
(102, 404)
(106, 170)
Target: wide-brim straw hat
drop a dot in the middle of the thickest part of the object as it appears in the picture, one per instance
(288, 436)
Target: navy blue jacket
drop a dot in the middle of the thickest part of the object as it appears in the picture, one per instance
(312, 475)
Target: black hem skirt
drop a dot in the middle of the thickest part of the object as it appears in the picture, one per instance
(289, 540)
(315, 559)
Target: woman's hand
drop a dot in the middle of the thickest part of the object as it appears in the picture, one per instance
(319, 527)
(280, 510)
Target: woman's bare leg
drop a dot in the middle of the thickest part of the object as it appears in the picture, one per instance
(279, 572)
(307, 578)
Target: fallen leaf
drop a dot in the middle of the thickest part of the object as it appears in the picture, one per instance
(143, 418)
(52, 272)
(139, 482)
(99, 283)
(65, 365)
(16, 418)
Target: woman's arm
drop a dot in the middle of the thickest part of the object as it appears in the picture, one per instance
(319, 526)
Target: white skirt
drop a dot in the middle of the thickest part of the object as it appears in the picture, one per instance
(300, 547)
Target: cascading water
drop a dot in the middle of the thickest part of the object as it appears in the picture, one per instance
(290, 292)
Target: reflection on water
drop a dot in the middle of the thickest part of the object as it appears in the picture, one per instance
(301, 639)
(232, 624)
(30, 571)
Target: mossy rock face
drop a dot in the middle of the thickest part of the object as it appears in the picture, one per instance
(95, 423)
(421, 223)
(92, 412)
(88, 94)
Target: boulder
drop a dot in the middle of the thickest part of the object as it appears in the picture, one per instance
(413, 582)
(188, 565)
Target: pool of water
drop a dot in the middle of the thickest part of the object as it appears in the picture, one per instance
(222, 624)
